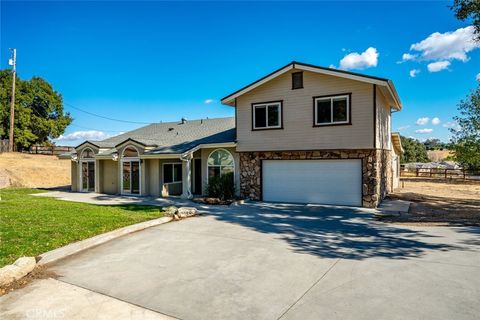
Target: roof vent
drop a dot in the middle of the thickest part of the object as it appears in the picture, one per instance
(184, 120)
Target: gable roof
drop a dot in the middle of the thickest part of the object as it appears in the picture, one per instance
(174, 137)
(382, 82)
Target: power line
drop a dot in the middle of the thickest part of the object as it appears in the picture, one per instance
(103, 117)
(87, 128)
(75, 125)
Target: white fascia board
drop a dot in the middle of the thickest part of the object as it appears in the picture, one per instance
(341, 75)
(180, 155)
(161, 156)
(230, 99)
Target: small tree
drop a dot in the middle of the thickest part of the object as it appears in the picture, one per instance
(414, 151)
(466, 138)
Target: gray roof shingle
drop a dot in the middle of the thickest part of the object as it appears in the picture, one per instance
(177, 137)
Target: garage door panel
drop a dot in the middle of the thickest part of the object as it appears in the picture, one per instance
(312, 181)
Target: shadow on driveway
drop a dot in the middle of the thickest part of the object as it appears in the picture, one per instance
(332, 232)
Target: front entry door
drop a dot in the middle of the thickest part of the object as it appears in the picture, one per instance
(131, 177)
(88, 176)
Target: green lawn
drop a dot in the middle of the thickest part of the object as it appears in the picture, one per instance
(31, 225)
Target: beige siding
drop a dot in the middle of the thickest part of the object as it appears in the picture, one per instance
(383, 123)
(204, 155)
(74, 175)
(298, 132)
(109, 177)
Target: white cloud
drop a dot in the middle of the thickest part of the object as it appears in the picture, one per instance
(208, 101)
(478, 77)
(83, 135)
(408, 56)
(423, 121)
(355, 60)
(424, 131)
(453, 45)
(436, 121)
(413, 73)
(402, 128)
(452, 124)
(438, 66)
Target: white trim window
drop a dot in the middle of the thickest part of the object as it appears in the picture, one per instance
(172, 172)
(332, 110)
(220, 162)
(267, 115)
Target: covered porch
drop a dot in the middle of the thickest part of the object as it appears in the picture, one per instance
(132, 170)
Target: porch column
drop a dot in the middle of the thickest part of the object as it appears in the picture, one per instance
(187, 177)
(98, 168)
(143, 177)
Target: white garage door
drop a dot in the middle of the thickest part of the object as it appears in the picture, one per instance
(313, 181)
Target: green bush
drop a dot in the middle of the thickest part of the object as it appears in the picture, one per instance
(222, 187)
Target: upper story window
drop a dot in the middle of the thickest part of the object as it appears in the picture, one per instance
(332, 110)
(267, 115)
(297, 80)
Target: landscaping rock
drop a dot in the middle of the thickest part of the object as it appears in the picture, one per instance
(185, 212)
(17, 270)
(170, 211)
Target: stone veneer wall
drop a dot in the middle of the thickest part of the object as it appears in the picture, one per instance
(376, 170)
(384, 173)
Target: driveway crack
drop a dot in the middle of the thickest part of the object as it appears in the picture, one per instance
(311, 287)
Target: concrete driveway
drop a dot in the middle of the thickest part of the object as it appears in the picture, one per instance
(272, 261)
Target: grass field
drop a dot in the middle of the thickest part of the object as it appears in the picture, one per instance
(31, 225)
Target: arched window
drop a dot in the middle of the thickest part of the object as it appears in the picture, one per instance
(130, 152)
(220, 162)
(87, 153)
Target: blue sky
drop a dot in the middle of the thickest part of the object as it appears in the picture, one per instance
(160, 61)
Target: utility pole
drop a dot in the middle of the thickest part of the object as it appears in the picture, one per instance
(13, 63)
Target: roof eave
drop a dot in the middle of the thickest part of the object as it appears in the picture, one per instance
(87, 142)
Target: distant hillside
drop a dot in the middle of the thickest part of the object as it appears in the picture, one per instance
(438, 155)
(33, 170)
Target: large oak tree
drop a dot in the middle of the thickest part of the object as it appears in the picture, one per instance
(39, 113)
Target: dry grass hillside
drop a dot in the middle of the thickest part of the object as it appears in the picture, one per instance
(33, 170)
(438, 155)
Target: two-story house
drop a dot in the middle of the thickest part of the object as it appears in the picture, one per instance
(302, 134)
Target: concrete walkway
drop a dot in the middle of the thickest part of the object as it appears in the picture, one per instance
(107, 199)
(273, 261)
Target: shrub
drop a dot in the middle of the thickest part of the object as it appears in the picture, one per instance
(222, 187)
